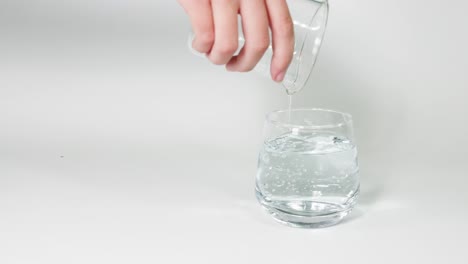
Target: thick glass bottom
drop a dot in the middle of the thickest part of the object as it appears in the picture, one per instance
(307, 214)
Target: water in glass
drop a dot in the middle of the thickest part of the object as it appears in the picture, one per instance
(308, 179)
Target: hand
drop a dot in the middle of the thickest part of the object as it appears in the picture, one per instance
(215, 24)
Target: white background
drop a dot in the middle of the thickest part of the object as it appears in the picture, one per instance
(119, 146)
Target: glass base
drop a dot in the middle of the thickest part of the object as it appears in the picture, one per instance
(307, 214)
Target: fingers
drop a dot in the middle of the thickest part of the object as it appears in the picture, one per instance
(226, 30)
(215, 27)
(201, 19)
(283, 37)
(257, 39)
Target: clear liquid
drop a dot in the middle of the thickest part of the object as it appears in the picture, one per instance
(308, 174)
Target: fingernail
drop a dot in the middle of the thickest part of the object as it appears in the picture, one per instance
(280, 76)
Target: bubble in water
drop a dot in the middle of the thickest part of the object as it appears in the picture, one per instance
(279, 183)
(309, 166)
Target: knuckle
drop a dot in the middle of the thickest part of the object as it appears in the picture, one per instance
(261, 46)
(217, 58)
(227, 49)
(206, 38)
(285, 28)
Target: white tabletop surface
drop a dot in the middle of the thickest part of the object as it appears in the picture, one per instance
(161, 205)
(118, 146)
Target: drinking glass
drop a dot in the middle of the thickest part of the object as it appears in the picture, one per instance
(310, 21)
(308, 174)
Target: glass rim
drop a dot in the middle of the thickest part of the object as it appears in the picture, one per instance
(347, 118)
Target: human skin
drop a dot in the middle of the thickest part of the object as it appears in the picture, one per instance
(215, 25)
